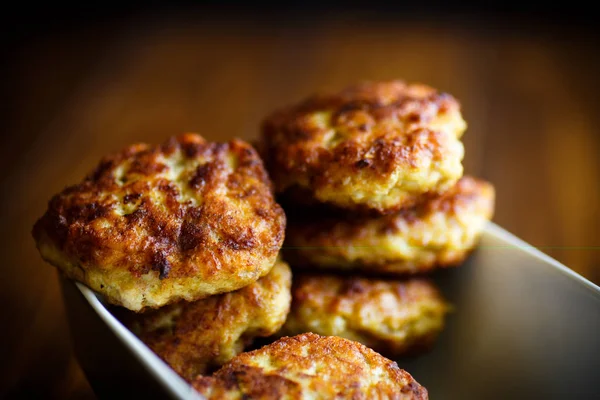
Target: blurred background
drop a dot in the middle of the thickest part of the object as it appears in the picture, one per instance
(81, 81)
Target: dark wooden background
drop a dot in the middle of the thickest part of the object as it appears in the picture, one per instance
(530, 93)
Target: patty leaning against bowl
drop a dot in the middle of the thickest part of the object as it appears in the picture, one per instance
(152, 225)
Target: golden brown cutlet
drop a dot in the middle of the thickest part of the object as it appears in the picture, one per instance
(313, 367)
(393, 317)
(374, 146)
(440, 231)
(152, 225)
(195, 337)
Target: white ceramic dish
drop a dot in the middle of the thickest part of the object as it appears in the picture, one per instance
(524, 327)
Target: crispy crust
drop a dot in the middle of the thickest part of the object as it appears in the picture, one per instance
(311, 366)
(155, 224)
(439, 232)
(198, 336)
(378, 146)
(392, 317)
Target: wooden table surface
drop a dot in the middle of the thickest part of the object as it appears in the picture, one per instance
(530, 97)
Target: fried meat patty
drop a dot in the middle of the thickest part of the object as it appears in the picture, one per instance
(374, 146)
(155, 224)
(392, 317)
(193, 337)
(312, 367)
(438, 232)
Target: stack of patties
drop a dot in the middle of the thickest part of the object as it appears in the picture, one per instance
(371, 181)
(184, 237)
